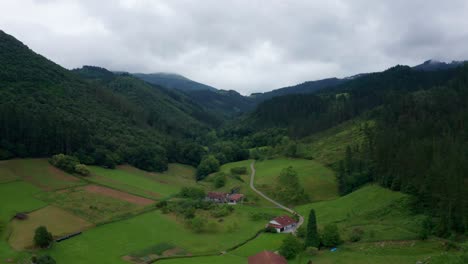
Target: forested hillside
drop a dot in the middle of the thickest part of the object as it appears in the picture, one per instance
(46, 109)
(306, 114)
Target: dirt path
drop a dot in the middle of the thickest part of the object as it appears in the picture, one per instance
(252, 177)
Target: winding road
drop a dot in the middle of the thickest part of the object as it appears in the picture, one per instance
(252, 177)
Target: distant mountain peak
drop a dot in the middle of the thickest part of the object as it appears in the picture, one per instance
(433, 65)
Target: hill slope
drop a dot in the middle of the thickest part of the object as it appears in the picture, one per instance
(46, 109)
(173, 81)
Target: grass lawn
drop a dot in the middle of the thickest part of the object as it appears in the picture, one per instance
(40, 173)
(15, 197)
(318, 181)
(381, 213)
(109, 243)
(142, 183)
(91, 206)
(57, 221)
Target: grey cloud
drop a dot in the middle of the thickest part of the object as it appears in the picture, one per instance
(244, 45)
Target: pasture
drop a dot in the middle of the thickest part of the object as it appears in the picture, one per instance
(15, 197)
(317, 180)
(110, 242)
(150, 185)
(92, 206)
(57, 221)
(39, 173)
(381, 213)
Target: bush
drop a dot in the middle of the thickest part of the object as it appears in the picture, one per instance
(291, 247)
(42, 237)
(356, 235)
(219, 181)
(301, 232)
(208, 165)
(192, 193)
(331, 236)
(64, 162)
(311, 251)
(161, 204)
(197, 224)
(82, 170)
(43, 260)
(239, 170)
(270, 229)
(222, 211)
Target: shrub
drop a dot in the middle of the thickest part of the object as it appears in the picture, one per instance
(197, 224)
(64, 162)
(222, 211)
(192, 192)
(331, 236)
(219, 180)
(208, 165)
(311, 251)
(43, 260)
(291, 247)
(301, 232)
(270, 229)
(356, 235)
(239, 170)
(161, 204)
(42, 237)
(82, 169)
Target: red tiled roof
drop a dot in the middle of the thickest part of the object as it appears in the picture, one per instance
(284, 221)
(236, 197)
(267, 257)
(217, 195)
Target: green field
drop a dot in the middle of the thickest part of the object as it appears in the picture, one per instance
(108, 243)
(57, 221)
(146, 184)
(93, 207)
(15, 197)
(317, 180)
(381, 213)
(39, 173)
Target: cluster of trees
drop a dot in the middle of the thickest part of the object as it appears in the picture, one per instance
(288, 188)
(69, 164)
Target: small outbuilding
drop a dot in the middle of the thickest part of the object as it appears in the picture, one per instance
(283, 224)
(267, 257)
(235, 198)
(21, 216)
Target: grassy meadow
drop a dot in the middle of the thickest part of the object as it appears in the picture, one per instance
(146, 184)
(39, 173)
(381, 213)
(317, 180)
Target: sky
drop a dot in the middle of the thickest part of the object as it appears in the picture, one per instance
(243, 45)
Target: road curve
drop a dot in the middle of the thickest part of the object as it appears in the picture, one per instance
(252, 177)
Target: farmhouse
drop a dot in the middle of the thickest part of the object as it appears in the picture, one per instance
(220, 197)
(283, 224)
(235, 198)
(267, 257)
(217, 197)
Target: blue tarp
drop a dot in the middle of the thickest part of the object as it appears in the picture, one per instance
(333, 249)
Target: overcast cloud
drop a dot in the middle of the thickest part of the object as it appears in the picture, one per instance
(248, 46)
